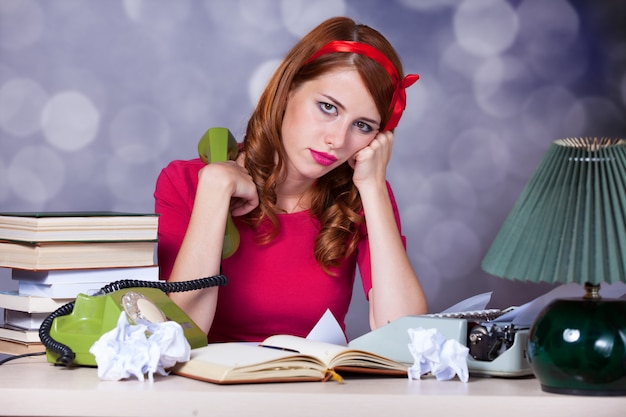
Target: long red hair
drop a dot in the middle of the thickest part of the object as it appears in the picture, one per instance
(335, 200)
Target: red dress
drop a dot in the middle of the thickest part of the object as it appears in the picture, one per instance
(277, 288)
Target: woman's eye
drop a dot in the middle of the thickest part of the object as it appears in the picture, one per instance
(328, 108)
(364, 127)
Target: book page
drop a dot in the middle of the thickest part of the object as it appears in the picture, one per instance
(236, 355)
(326, 352)
(336, 356)
(242, 362)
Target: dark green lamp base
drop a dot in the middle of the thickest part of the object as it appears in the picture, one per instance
(578, 347)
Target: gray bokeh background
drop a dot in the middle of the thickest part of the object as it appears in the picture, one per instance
(97, 96)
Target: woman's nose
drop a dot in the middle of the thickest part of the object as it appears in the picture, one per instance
(336, 136)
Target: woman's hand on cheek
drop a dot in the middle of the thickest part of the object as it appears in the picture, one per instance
(370, 163)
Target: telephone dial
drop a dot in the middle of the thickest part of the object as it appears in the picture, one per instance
(70, 331)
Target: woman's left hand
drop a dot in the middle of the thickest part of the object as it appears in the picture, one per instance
(370, 163)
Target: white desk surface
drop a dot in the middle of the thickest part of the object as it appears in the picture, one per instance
(33, 387)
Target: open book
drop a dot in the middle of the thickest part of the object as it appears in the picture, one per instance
(282, 358)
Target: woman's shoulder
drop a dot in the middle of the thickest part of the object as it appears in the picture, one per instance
(183, 168)
(184, 165)
(180, 172)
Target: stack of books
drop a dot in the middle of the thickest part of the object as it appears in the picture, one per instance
(22, 317)
(55, 256)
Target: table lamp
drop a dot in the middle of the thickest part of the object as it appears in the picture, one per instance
(569, 226)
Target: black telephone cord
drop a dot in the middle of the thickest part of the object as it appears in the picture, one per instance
(66, 355)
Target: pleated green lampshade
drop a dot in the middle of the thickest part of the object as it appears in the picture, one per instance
(568, 224)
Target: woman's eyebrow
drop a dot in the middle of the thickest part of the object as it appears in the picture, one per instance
(334, 101)
(337, 103)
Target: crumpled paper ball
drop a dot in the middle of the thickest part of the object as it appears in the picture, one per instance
(432, 352)
(139, 349)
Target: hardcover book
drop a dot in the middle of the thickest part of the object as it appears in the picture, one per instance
(23, 319)
(76, 226)
(99, 275)
(17, 334)
(13, 347)
(282, 358)
(63, 290)
(75, 255)
(11, 300)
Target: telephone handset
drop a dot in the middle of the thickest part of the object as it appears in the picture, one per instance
(219, 145)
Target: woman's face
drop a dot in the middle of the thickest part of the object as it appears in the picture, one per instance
(326, 121)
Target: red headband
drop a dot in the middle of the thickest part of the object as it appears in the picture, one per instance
(398, 101)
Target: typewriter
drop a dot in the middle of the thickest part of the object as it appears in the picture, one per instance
(496, 348)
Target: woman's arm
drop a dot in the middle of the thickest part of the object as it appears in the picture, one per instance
(200, 252)
(396, 290)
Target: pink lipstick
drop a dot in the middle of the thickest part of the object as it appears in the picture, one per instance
(323, 158)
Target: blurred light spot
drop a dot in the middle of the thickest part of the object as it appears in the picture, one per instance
(449, 191)
(21, 103)
(417, 220)
(428, 5)
(255, 25)
(548, 27)
(303, 15)
(88, 162)
(427, 272)
(64, 8)
(185, 93)
(133, 72)
(405, 184)
(139, 133)
(418, 217)
(36, 174)
(460, 61)
(414, 136)
(260, 78)
(525, 156)
(480, 156)
(603, 117)
(466, 116)
(548, 31)
(567, 116)
(453, 247)
(129, 181)
(4, 186)
(70, 121)
(502, 85)
(485, 221)
(21, 23)
(160, 15)
(261, 14)
(6, 73)
(84, 80)
(485, 27)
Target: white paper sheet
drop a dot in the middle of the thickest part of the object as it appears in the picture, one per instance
(328, 330)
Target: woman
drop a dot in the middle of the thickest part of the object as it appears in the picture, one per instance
(308, 194)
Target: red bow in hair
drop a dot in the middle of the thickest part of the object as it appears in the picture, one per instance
(398, 100)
